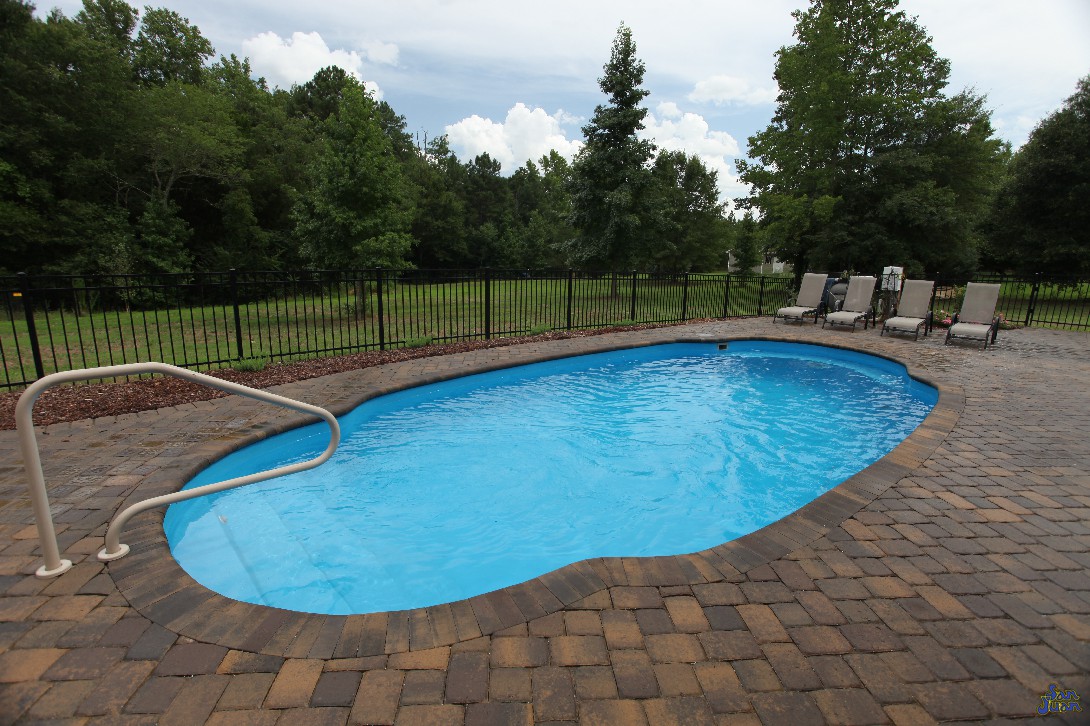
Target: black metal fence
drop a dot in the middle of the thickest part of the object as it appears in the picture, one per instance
(207, 320)
(1038, 300)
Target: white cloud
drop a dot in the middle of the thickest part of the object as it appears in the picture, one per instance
(287, 61)
(674, 130)
(723, 90)
(530, 133)
(525, 134)
(378, 52)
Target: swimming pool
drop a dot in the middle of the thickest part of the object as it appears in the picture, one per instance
(451, 490)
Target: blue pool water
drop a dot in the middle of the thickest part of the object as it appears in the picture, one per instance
(455, 489)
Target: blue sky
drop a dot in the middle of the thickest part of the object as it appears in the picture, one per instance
(516, 79)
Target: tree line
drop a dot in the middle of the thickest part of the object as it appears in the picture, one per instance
(127, 147)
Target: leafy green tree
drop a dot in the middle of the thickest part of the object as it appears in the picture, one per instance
(25, 194)
(610, 176)
(690, 216)
(866, 161)
(246, 221)
(489, 207)
(168, 48)
(1041, 221)
(354, 209)
(160, 244)
(439, 223)
(66, 105)
(747, 243)
(112, 23)
(543, 208)
(321, 96)
(185, 131)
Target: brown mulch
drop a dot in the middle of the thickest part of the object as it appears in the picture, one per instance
(96, 400)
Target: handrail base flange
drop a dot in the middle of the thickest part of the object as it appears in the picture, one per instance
(45, 573)
(104, 556)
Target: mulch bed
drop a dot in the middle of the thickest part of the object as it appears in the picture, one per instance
(96, 400)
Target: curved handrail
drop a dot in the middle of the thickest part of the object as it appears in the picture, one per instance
(28, 443)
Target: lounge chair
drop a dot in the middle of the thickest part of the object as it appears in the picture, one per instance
(977, 319)
(856, 303)
(808, 301)
(913, 309)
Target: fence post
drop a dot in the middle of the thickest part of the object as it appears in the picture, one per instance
(238, 316)
(632, 317)
(1033, 298)
(381, 314)
(487, 303)
(685, 299)
(571, 294)
(32, 331)
(726, 295)
(761, 298)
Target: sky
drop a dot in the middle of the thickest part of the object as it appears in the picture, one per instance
(516, 79)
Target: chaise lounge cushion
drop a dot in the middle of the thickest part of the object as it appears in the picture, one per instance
(910, 325)
(809, 298)
(856, 302)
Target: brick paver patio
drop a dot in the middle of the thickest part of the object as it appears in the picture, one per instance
(948, 582)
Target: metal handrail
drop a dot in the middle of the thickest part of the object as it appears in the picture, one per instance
(28, 443)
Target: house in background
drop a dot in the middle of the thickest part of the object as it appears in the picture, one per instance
(771, 265)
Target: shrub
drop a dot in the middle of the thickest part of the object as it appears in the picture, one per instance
(253, 364)
(419, 342)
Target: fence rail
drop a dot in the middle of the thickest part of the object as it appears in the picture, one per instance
(208, 320)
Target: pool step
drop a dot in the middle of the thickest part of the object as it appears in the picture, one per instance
(269, 532)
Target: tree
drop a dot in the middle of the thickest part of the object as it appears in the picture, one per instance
(610, 176)
(112, 23)
(168, 48)
(747, 245)
(689, 215)
(866, 161)
(1041, 222)
(438, 227)
(185, 131)
(242, 218)
(66, 104)
(544, 211)
(489, 211)
(321, 96)
(354, 209)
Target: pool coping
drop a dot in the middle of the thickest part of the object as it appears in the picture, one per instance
(158, 588)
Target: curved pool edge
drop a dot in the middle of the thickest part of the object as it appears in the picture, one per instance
(157, 587)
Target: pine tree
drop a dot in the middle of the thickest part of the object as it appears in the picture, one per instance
(611, 177)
